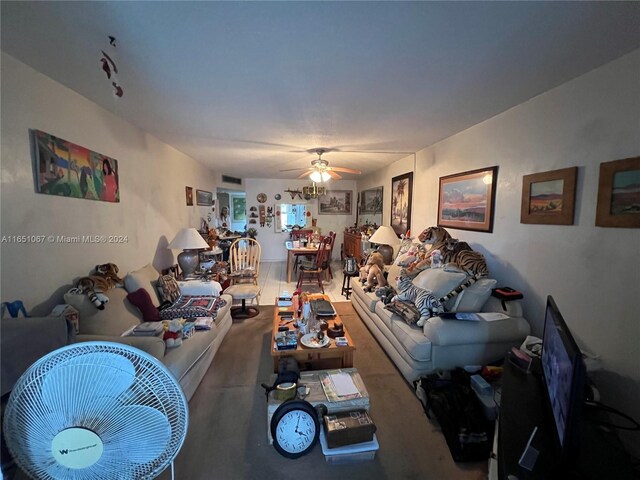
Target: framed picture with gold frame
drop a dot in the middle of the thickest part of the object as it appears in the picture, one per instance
(549, 197)
(619, 194)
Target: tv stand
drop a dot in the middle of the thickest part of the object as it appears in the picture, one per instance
(523, 407)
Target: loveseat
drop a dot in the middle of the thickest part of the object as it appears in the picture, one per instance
(442, 344)
(187, 362)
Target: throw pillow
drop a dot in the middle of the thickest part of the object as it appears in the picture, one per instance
(438, 281)
(146, 278)
(405, 310)
(142, 301)
(473, 298)
(168, 289)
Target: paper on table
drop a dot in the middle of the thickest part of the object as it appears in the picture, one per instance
(344, 384)
(492, 316)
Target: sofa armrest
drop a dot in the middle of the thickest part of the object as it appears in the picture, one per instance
(154, 346)
(457, 332)
(513, 308)
(197, 288)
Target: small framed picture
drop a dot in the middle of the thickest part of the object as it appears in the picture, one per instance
(288, 244)
(204, 198)
(549, 197)
(619, 194)
(189, 194)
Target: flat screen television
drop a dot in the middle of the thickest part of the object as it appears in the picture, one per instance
(563, 371)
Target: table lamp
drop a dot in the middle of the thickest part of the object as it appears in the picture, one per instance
(386, 238)
(189, 240)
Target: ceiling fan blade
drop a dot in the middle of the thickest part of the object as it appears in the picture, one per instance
(333, 175)
(344, 170)
(305, 174)
(296, 169)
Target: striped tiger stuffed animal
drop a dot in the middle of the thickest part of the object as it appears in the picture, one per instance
(424, 300)
(434, 236)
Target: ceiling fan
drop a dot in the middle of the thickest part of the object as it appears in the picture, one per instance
(320, 171)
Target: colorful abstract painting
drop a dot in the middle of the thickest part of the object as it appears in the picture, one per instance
(69, 170)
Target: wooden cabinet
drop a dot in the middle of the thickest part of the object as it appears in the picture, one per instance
(352, 245)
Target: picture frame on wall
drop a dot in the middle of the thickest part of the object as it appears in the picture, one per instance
(335, 202)
(189, 196)
(401, 200)
(371, 201)
(619, 194)
(466, 200)
(548, 198)
(204, 198)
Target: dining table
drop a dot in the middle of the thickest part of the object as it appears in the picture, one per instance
(293, 252)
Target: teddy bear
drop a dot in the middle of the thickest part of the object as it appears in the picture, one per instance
(373, 271)
(173, 335)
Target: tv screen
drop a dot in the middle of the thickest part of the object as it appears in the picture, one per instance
(563, 371)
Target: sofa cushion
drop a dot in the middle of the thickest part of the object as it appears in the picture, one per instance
(118, 315)
(473, 298)
(438, 281)
(147, 278)
(412, 338)
(168, 289)
(456, 332)
(141, 300)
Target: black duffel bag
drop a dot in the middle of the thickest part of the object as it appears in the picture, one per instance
(468, 433)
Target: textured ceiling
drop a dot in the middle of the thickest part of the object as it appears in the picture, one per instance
(248, 87)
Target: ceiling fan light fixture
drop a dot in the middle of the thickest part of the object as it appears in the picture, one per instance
(318, 176)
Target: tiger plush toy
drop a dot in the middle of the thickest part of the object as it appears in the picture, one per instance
(104, 278)
(434, 236)
(426, 303)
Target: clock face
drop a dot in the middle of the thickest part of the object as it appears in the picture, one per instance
(295, 428)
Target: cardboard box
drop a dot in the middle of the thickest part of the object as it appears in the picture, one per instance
(347, 428)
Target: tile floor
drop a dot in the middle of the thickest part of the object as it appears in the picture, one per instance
(273, 281)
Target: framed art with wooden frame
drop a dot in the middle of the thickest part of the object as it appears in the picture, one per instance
(334, 202)
(466, 200)
(204, 198)
(619, 194)
(189, 194)
(401, 199)
(549, 197)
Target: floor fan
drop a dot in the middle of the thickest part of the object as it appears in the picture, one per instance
(96, 410)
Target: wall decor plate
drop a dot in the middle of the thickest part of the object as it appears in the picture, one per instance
(277, 196)
(262, 197)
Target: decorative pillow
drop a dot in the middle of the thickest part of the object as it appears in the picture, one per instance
(473, 298)
(168, 289)
(439, 281)
(142, 301)
(145, 278)
(406, 310)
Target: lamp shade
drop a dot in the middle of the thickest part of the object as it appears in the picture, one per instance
(319, 176)
(188, 239)
(386, 238)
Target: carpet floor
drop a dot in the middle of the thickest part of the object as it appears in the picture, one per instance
(227, 437)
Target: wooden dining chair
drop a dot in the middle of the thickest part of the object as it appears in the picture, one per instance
(244, 268)
(332, 236)
(318, 266)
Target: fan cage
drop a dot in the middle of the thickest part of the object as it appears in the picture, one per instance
(124, 395)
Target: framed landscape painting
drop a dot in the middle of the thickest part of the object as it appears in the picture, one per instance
(401, 196)
(69, 170)
(335, 202)
(619, 194)
(371, 201)
(466, 200)
(204, 198)
(549, 197)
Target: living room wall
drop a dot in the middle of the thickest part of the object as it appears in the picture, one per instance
(272, 243)
(152, 205)
(592, 272)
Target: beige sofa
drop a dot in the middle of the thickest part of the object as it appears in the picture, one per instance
(442, 344)
(187, 362)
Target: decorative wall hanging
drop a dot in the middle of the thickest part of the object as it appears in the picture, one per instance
(263, 214)
(401, 199)
(189, 194)
(335, 202)
(466, 200)
(549, 197)
(371, 201)
(262, 197)
(69, 170)
(277, 196)
(619, 194)
(109, 67)
(204, 198)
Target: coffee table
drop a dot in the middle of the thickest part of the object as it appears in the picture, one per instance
(327, 357)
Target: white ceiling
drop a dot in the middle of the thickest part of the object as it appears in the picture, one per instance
(247, 88)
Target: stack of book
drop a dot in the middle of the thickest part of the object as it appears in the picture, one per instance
(148, 329)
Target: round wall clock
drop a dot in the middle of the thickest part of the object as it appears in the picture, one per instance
(262, 197)
(295, 428)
